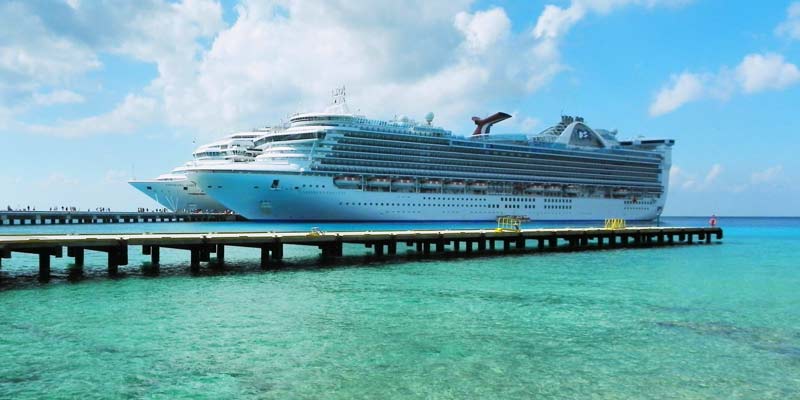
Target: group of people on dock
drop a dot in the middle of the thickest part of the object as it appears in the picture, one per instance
(155, 210)
(59, 208)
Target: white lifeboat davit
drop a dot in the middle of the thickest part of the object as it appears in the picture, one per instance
(403, 183)
(535, 188)
(347, 181)
(572, 189)
(431, 184)
(478, 186)
(621, 192)
(552, 188)
(379, 182)
(455, 185)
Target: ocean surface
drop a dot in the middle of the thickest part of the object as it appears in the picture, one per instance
(688, 322)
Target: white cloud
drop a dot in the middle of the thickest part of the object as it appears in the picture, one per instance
(712, 174)
(688, 181)
(45, 45)
(528, 124)
(57, 97)
(790, 28)
(682, 89)
(756, 73)
(281, 57)
(168, 36)
(483, 29)
(31, 55)
(127, 116)
(759, 72)
(768, 175)
(59, 179)
(555, 21)
(116, 176)
(271, 63)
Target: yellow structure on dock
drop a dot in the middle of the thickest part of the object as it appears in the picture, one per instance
(615, 223)
(510, 223)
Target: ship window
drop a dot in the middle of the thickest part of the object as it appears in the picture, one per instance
(275, 183)
(149, 188)
(185, 188)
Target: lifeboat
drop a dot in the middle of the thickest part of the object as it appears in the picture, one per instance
(431, 184)
(347, 181)
(403, 184)
(455, 185)
(621, 192)
(552, 188)
(572, 189)
(478, 186)
(535, 188)
(379, 182)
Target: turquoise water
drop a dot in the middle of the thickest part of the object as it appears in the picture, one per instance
(716, 321)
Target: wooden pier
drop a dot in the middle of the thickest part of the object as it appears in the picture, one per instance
(383, 243)
(106, 217)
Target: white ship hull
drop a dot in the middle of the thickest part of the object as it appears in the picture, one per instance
(305, 197)
(178, 195)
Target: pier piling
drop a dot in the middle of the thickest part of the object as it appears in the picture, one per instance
(194, 261)
(277, 252)
(264, 257)
(220, 254)
(44, 266)
(78, 254)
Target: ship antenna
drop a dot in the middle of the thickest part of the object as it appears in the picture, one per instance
(339, 95)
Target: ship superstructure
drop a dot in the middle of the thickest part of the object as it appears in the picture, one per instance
(338, 166)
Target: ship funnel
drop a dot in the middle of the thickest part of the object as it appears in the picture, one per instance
(484, 125)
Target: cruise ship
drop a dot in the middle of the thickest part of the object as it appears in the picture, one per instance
(177, 193)
(338, 166)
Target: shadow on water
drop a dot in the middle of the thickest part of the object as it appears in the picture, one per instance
(14, 279)
(762, 339)
(71, 274)
(28, 277)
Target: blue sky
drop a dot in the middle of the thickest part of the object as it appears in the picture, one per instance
(93, 93)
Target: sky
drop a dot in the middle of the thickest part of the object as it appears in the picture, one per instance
(93, 93)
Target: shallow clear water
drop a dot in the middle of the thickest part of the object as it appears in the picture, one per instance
(716, 321)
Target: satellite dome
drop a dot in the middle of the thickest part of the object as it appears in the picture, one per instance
(429, 117)
(404, 119)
